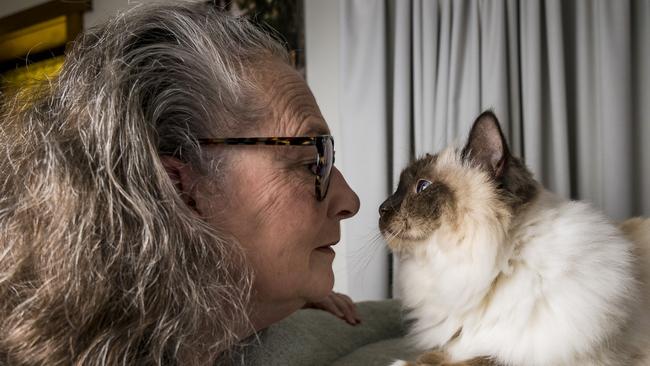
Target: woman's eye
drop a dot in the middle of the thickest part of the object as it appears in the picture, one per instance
(422, 185)
(312, 167)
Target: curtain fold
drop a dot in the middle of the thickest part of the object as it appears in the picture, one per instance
(568, 80)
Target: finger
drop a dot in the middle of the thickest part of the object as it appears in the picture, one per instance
(349, 314)
(330, 305)
(352, 306)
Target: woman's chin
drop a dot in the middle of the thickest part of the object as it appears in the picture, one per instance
(322, 284)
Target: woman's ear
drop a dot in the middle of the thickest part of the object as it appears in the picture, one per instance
(182, 177)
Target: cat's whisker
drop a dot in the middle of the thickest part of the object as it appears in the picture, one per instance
(363, 256)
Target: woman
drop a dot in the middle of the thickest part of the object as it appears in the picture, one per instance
(131, 231)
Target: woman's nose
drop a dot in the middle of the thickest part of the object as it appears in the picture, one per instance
(344, 202)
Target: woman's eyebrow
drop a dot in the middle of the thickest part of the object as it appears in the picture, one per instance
(317, 130)
(313, 128)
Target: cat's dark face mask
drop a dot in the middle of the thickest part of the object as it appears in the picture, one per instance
(415, 210)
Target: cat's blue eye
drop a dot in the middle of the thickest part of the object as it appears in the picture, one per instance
(422, 185)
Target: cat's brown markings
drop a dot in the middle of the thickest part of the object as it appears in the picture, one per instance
(438, 358)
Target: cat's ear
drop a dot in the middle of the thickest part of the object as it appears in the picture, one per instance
(486, 145)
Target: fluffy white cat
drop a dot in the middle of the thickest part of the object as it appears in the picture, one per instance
(495, 270)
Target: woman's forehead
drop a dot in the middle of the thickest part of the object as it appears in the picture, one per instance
(293, 109)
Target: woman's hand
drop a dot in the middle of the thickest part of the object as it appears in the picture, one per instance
(340, 305)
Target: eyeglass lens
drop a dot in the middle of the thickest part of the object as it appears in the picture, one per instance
(326, 163)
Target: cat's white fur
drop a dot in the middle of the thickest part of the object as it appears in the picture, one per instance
(555, 284)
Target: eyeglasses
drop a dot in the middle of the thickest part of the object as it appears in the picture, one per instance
(324, 153)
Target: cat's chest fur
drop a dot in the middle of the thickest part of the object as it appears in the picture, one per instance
(553, 288)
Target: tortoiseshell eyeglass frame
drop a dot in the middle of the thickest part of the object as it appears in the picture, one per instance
(324, 153)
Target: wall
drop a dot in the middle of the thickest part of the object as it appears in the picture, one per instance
(361, 267)
(321, 54)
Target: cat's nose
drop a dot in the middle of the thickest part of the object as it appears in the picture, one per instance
(384, 208)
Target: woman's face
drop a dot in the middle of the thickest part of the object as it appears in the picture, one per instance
(270, 204)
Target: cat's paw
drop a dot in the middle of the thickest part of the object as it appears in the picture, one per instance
(432, 358)
(400, 363)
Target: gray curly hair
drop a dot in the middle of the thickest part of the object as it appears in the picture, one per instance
(101, 261)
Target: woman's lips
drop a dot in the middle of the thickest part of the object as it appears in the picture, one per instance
(327, 248)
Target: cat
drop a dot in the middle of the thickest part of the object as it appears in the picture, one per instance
(496, 270)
